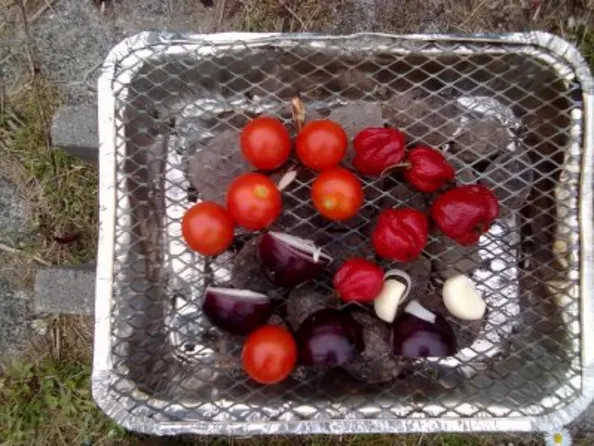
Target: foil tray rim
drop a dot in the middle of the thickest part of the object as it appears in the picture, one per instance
(112, 405)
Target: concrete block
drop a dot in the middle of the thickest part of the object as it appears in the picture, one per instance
(14, 320)
(74, 128)
(65, 290)
(13, 213)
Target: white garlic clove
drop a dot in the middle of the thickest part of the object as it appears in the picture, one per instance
(386, 303)
(462, 299)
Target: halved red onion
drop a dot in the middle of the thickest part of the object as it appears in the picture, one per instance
(328, 338)
(236, 311)
(419, 333)
(288, 260)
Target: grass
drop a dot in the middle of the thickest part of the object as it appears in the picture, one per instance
(45, 395)
(60, 191)
(281, 15)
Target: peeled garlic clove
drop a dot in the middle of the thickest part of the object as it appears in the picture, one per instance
(462, 299)
(392, 294)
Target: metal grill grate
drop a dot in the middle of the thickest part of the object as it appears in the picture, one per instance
(507, 113)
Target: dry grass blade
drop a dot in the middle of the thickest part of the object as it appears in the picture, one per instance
(47, 5)
(61, 191)
(294, 14)
(474, 12)
(6, 248)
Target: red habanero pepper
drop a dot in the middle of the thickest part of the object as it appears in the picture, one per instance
(427, 169)
(359, 280)
(465, 213)
(400, 234)
(377, 149)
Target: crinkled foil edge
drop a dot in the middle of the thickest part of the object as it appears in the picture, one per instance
(113, 404)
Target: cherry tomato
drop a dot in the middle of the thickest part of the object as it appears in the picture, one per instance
(253, 201)
(337, 194)
(265, 143)
(269, 354)
(207, 228)
(321, 144)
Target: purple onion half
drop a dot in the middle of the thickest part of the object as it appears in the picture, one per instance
(328, 338)
(419, 333)
(289, 261)
(236, 311)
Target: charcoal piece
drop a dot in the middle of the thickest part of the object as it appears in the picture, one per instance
(449, 258)
(214, 166)
(373, 193)
(277, 319)
(430, 119)
(247, 271)
(465, 174)
(375, 364)
(510, 176)
(226, 348)
(403, 195)
(305, 300)
(354, 117)
(299, 214)
(228, 121)
(466, 331)
(343, 246)
(481, 139)
(310, 115)
(354, 82)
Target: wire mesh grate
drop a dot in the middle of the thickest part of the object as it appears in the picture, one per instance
(503, 115)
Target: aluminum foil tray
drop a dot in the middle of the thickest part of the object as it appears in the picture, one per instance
(514, 111)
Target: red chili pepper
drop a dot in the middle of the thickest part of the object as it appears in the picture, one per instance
(377, 149)
(400, 234)
(359, 280)
(465, 213)
(428, 169)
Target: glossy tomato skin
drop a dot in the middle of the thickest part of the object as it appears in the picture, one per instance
(207, 228)
(269, 354)
(337, 194)
(265, 143)
(253, 201)
(359, 280)
(321, 144)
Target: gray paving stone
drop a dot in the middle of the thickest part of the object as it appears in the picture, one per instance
(14, 320)
(74, 128)
(65, 290)
(12, 213)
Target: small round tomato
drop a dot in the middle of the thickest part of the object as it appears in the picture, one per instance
(337, 194)
(321, 144)
(207, 228)
(269, 354)
(253, 201)
(265, 143)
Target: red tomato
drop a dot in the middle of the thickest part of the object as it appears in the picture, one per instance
(207, 228)
(253, 201)
(269, 354)
(337, 194)
(265, 143)
(321, 144)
